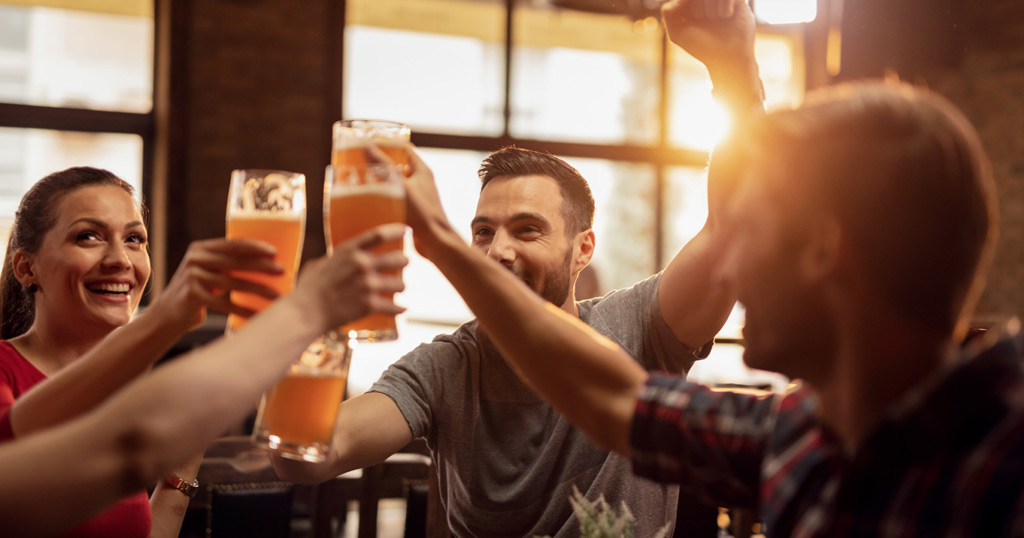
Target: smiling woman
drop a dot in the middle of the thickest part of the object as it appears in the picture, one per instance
(79, 429)
(96, 251)
(59, 221)
(76, 265)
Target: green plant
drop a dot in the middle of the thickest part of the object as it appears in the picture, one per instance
(598, 520)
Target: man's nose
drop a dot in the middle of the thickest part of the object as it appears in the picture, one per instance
(501, 248)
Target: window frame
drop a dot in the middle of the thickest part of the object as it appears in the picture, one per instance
(142, 124)
(661, 154)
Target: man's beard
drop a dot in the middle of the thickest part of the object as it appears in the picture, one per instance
(556, 288)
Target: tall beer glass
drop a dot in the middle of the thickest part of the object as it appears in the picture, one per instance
(269, 206)
(296, 418)
(359, 196)
(351, 136)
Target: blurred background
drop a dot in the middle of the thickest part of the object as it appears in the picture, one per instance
(174, 94)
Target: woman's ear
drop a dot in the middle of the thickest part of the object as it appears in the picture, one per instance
(24, 268)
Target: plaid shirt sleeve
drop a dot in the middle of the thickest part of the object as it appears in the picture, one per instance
(711, 441)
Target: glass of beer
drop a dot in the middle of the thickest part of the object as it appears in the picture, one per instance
(359, 196)
(296, 418)
(269, 206)
(350, 137)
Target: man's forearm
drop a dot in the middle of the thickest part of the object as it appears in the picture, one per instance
(737, 85)
(588, 378)
(694, 302)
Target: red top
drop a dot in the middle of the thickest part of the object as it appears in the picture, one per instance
(128, 518)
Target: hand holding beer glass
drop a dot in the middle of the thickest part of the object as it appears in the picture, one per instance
(296, 418)
(359, 195)
(268, 206)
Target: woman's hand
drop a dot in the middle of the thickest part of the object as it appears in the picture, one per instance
(204, 278)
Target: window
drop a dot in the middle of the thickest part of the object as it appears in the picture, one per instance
(432, 64)
(584, 77)
(76, 88)
(605, 92)
(585, 86)
(78, 59)
(785, 11)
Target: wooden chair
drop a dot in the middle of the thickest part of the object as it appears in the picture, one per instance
(390, 479)
(241, 495)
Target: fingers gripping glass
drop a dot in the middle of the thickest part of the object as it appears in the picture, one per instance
(268, 206)
(359, 195)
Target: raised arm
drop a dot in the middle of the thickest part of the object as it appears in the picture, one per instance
(129, 351)
(720, 34)
(51, 480)
(588, 378)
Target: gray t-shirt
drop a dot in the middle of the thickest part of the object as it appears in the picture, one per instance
(507, 462)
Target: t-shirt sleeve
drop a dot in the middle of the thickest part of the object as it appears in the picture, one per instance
(415, 382)
(711, 441)
(632, 318)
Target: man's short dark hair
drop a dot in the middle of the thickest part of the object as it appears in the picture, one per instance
(577, 200)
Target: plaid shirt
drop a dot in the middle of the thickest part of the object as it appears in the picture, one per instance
(948, 460)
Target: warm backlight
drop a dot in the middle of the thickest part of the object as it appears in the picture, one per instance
(786, 11)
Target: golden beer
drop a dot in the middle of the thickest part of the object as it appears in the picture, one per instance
(301, 410)
(359, 195)
(296, 418)
(285, 233)
(269, 206)
(352, 211)
(355, 156)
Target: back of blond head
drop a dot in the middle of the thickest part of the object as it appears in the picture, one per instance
(905, 173)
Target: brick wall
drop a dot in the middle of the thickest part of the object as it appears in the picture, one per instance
(989, 87)
(252, 87)
(971, 51)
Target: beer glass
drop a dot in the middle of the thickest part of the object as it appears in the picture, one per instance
(296, 418)
(359, 196)
(351, 136)
(269, 206)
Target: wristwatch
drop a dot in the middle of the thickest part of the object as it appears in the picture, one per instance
(176, 482)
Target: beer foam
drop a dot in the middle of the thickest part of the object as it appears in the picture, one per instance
(389, 189)
(272, 214)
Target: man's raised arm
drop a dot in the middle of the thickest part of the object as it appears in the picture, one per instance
(719, 34)
(589, 379)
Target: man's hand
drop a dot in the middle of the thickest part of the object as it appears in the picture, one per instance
(355, 280)
(718, 33)
(424, 212)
